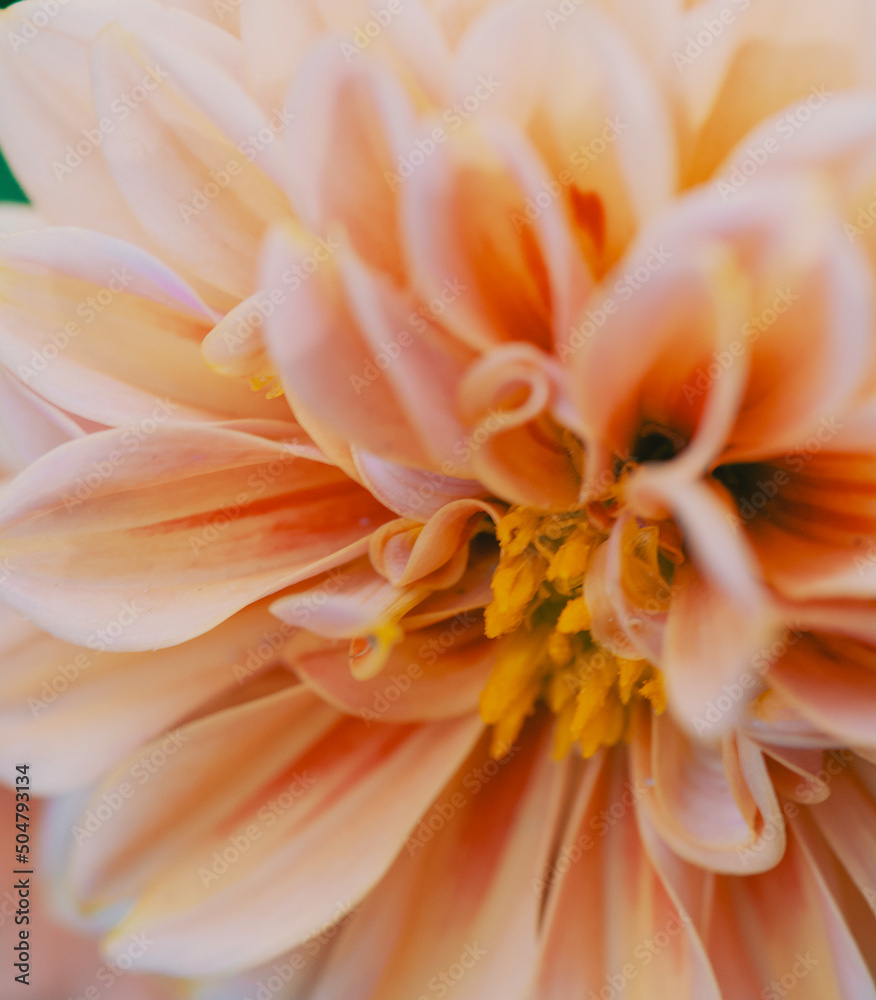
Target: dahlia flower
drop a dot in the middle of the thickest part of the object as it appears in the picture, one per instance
(438, 545)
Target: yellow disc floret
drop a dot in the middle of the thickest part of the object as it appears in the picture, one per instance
(546, 653)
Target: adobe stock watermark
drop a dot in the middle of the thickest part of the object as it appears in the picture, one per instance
(453, 118)
(222, 178)
(752, 328)
(863, 220)
(785, 128)
(644, 954)
(110, 973)
(131, 441)
(700, 41)
(391, 350)
(429, 652)
(443, 811)
(224, 858)
(599, 825)
(581, 158)
(414, 499)
(258, 482)
(768, 487)
(33, 24)
(749, 682)
(444, 981)
(625, 288)
(250, 317)
(112, 801)
(779, 988)
(272, 642)
(87, 310)
(555, 16)
(121, 107)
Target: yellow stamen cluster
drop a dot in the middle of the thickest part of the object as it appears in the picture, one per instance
(546, 653)
(272, 385)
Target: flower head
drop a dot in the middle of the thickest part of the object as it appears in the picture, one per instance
(442, 527)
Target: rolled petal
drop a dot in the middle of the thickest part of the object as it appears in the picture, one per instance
(715, 809)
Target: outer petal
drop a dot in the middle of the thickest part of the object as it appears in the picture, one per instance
(100, 550)
(63, 707)
(829, 679)
(463, 893)
(797, 923)
(764, 57)
(29, 426)
(276, 34)
(306, 857)
(361, 358)
(49, 126)
(106, 331)
(73, 965)
(610, 924)
(201, 183)
(339, 173)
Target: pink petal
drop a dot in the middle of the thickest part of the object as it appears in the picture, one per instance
(59, 703)
(714, 809)
(101, 551)
(302, 865)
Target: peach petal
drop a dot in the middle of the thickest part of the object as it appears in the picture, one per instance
(318, 838)
(762, 64)
(797, 920)
(605, 862)
(213, 195)
(520, 281)
(413, 493)
(347, 602)
(35, 133)
(335, 340)
(698, 806)
(79, 306)
(58, 702)
(29, 425)
(372, 119)
(246, 516)
(604, 140)
(473, 879)
(830, 681)
(434, 672)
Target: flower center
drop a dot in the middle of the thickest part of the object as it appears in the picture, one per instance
(546, 651)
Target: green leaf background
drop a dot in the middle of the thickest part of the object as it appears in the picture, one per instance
(9, 189)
